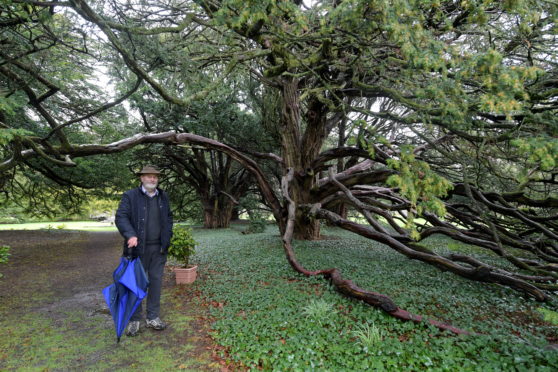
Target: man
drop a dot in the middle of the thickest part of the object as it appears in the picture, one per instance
(144, 219)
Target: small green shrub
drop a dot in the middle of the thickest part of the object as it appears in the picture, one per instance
(255, 226)
(257, 221)
(4, 253)
(182, 244)
(549, 315)
(61, 227)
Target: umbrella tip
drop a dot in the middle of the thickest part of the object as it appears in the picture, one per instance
(118, 340)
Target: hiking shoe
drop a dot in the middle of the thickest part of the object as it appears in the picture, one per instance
(156, 323)
(133, 328)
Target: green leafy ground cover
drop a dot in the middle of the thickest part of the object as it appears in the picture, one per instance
(267, 316)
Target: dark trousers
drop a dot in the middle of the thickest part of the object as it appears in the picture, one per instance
(153, 263)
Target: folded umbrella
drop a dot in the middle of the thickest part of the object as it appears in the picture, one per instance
(125, 294)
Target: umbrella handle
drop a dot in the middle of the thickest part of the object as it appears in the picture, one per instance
(130, 252)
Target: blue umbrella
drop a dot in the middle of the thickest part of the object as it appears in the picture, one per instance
(125, 294)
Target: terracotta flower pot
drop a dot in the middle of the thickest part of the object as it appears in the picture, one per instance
(185, 275)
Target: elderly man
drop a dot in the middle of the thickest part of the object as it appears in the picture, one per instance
(144, 219)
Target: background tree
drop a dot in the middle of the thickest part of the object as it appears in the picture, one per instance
(49, 96)
(215, 178)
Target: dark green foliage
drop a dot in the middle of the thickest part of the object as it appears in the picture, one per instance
(255, 226)
(272, 318)
(52, 191)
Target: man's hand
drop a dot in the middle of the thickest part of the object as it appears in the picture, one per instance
(132, 242)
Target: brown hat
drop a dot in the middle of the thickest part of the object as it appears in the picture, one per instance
(149, 169)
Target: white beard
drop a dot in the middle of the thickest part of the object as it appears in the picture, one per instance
(150, 187)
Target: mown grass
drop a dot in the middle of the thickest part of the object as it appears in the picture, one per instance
(52, 316)
(68, 225)
(77, 340)
(267, 316)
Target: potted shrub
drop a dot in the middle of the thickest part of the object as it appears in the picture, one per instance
(183, 246)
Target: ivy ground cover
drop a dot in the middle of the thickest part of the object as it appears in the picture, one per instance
(267, 316)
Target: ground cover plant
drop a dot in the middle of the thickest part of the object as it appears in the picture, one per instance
(267, 316)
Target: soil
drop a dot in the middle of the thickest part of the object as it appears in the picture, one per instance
(51, 274)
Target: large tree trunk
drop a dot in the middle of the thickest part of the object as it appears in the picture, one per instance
(299, 150)
(217, 184)
(307, 229)
(217, 213)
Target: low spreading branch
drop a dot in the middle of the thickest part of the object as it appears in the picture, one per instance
(345, 286)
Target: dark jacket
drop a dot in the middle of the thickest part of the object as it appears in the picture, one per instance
(131, 218)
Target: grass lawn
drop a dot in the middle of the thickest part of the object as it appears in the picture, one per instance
(69, 225)
(53, 316)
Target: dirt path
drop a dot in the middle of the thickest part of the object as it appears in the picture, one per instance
(52, 309)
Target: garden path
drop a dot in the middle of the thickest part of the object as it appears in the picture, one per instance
(51, 300)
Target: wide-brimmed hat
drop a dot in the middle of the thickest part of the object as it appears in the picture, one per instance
(149, 169)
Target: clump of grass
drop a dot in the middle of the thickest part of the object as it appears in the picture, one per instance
(318, 310)
(368, 335)
(4, 254)
(549, 315)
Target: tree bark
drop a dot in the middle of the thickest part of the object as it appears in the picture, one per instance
(217, 213)
(299, 150)
(306, 228)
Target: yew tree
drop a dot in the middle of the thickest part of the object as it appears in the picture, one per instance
(451, 106)
(213, 176)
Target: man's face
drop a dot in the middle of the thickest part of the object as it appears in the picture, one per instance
(149, 181)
